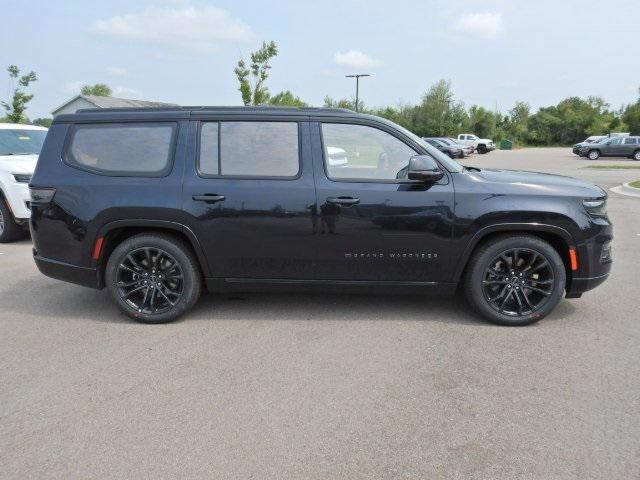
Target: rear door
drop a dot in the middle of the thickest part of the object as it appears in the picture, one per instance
(628, 146)
(371, 225)
(249, 193)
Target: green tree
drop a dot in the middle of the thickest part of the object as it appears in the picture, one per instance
(287, 99)
(631, 117)
(252, 78)
(97, 90)
(43, 122)
(343, 103)
(19, 100)
(438, 115)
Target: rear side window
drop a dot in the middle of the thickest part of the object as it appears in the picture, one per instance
(630, 141)
(249, 149)
(123, 149)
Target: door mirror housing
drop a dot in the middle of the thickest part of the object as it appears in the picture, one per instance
(424, 169)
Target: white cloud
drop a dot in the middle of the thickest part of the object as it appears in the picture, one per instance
(482, 25)
(355, 60)
(117, 71)
(198, 29)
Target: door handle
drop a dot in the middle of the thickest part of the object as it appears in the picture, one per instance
(343, 200)
(209, 198)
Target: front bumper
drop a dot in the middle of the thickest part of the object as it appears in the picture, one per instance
(18, 197)
(85, 276)
(595, 262)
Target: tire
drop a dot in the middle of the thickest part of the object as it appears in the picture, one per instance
(142, 282)
(593, 155)
(482, 149)
(636, 155)
(515, 305)
(10, 231)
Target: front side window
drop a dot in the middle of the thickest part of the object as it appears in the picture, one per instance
(251, 149)
(369, 153)
(127, 149)
(616, 141)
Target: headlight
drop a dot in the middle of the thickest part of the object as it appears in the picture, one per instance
(596, 207)
(22, 177)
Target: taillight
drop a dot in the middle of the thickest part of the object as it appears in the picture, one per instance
(42, 195)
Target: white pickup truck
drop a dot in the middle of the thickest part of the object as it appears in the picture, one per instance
(482, 145)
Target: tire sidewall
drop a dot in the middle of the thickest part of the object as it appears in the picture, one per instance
(636, 155)
(593, 155)
(475, 293)
(12, 231)
(182, 255)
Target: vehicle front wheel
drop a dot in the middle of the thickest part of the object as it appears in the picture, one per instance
(515, 280)
(153, 278)
(10, 231)
(593, 155)
(482, 149)
(636, 155)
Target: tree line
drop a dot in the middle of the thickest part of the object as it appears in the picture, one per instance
(437, 114)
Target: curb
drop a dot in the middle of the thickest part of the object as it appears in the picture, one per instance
(626, 189)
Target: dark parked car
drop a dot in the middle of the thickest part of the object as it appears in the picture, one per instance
(451, 150)
(155, 204)
(612, 147)
(466, 149)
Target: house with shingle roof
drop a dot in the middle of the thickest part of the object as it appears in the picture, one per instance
(93, 101)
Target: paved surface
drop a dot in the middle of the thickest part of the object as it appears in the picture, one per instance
(324, 387)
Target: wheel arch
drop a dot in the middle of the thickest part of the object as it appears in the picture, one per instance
(117, 231)
(559, 238)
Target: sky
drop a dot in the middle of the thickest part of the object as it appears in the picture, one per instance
(494, 52)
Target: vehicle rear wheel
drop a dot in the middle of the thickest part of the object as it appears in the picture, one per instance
(10, 231)
(153, 278)
(636, 155)
(515, 280)
(593, 155)
(482, 149)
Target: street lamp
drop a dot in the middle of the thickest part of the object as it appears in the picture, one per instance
(357, 77)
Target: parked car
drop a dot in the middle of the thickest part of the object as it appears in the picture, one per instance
(122, 200)
(19, 149)
(451, 150)
(336, 157)
(612, 147)
(587, 141)
(466, 149)
(481, 145)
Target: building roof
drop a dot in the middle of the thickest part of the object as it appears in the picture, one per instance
(114, 102)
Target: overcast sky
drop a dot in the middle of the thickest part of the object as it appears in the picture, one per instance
(184, 51)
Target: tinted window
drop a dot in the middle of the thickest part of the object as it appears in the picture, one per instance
(629, 141)
(259, 149)
(371, 154)
(143, 149)
(209, 151)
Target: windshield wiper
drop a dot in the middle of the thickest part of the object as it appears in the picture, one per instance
(16, 153)
(474, 169)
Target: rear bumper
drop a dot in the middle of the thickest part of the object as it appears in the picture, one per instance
(87, 277)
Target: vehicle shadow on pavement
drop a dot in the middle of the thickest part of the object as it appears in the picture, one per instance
(47, 299)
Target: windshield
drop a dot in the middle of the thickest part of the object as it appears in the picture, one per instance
(443, 158)
(21, 142)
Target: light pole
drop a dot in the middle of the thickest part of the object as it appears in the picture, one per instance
(357, 77)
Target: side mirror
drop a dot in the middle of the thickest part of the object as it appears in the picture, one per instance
(424, 168)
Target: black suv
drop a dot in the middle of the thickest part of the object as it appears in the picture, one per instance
(155, 203)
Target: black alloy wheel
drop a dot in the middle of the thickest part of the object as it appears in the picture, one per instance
(154, 277)
(515, 279)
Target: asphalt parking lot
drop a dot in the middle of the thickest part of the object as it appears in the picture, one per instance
(325, 386)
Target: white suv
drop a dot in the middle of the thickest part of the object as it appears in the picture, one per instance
(19, 149)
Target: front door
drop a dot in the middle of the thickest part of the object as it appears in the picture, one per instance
(248, 195)
(372, 223)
